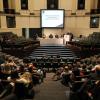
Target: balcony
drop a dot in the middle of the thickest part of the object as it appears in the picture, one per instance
(95, 11)
(9, 11)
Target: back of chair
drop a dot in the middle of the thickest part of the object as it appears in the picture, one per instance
(1, 87)
(76, 85)
(20, 89)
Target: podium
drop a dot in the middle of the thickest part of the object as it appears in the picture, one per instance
(67, 38)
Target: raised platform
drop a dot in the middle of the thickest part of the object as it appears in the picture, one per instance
(51, 41)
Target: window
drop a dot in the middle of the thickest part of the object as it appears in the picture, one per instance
(6, 8)
(52, 4)
(5, 4)
(94, 22)
(81, 5)
(24, 4)
(98, 5)
(11, 23)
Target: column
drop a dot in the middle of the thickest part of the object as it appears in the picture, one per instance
(18, 5)
(1, 5)
(27, 32)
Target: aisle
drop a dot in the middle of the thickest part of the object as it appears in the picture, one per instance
(51, 90)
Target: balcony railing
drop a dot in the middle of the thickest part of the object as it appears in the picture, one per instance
(9, 11)
(95, 11)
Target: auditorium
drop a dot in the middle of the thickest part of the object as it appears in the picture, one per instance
(49, 49)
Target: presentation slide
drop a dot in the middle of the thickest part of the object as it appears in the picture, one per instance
(52, 18)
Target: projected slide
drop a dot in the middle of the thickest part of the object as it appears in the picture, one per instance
(52, 18)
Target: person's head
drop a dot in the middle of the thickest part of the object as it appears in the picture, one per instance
(10, 60)
(30, 65)
(26, 75)
(66, 68)
(76, 71)
(97, 69)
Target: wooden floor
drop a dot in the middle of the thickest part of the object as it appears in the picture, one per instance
(51, 90)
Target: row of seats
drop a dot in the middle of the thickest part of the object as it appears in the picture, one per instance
(90, 42)
(10, 41)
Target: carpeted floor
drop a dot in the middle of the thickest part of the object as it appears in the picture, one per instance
(51, 90)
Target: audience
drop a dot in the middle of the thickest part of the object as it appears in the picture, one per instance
(85, 71)
(13, 72)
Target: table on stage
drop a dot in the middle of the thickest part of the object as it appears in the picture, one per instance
(51, 41)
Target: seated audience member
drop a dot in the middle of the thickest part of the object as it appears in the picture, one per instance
(94, 93)
(2, 60)
(44, 72)
(40, 72)
(21, 69)
(25, 78)
(44, 36)
(24, 86)
(91, 87)
(57, 74)
(66, 71)
(19, 89)
(50, 36)
(35, 76)
(75, 72)
(7, 91)
(96, 74)
(83, 70)
(31, 67)
(56, 36)
(65, 75)
(8, 66)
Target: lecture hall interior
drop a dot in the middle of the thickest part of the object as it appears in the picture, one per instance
(49, 49)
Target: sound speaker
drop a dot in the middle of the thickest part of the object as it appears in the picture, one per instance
(52, 4)
(94, 22)
(24, 4)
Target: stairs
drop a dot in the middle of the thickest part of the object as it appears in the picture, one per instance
(52, 51)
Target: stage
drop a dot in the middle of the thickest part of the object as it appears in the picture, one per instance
(51, 41)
